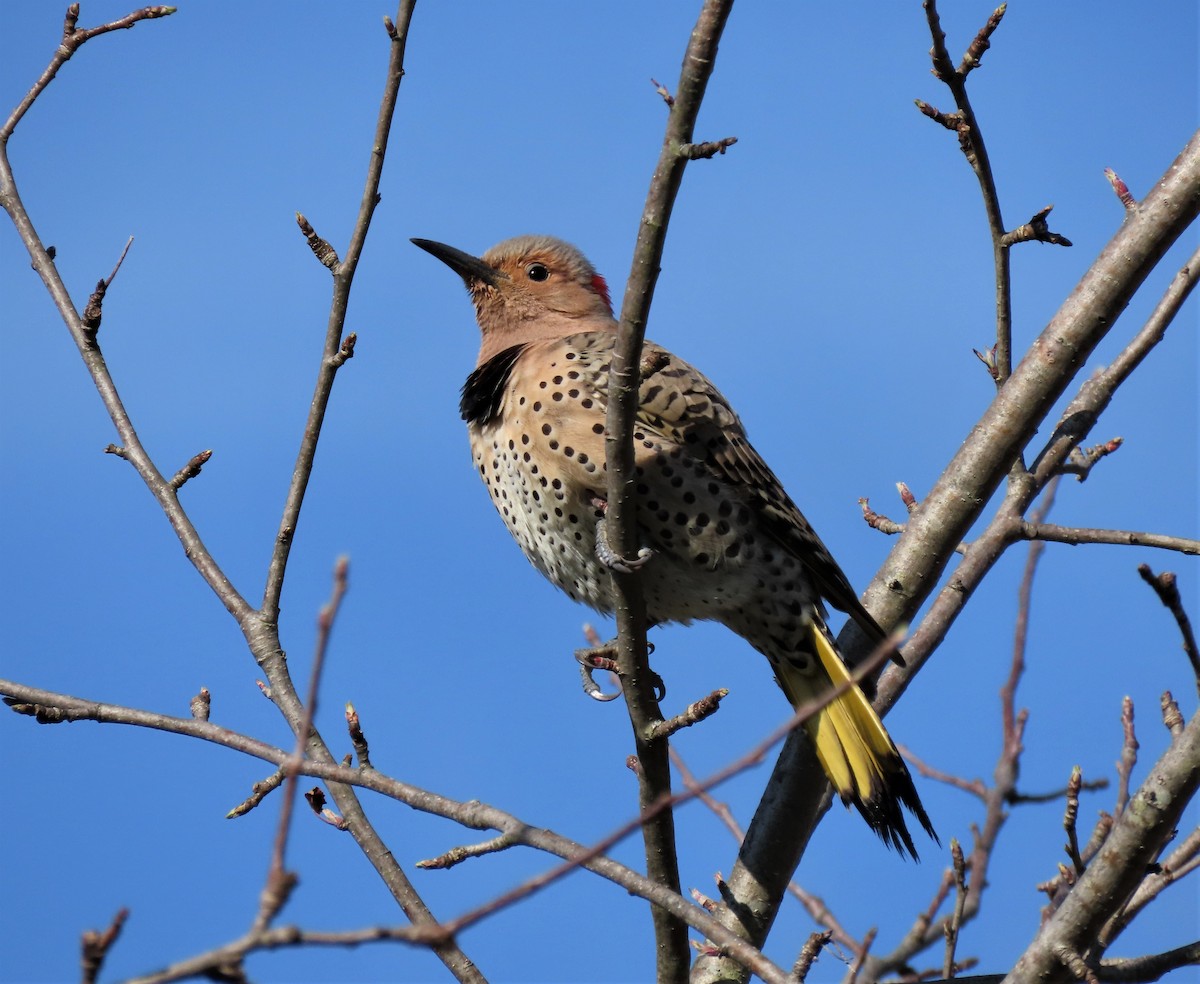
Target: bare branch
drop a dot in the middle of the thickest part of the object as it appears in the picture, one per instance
(1094, 395)
(983, 41)
(970, 140)
(280, 882)
(343, 280)
(1150, 967)
(654, 774)
(1070, 816)
(456, 855)
(96, 946)
(812, 948)
(1074, 930)
(694, 713)
(959, 867)
(1035, 230)
(191, 469)
(1075, 535)
(1129, 750)
(73, 38)
(1167, 589)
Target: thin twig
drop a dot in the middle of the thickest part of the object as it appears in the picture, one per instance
(95, 946)
(1166, 586)
(813, 946)
(1075, 535)
(818, 911)
(280, 882)
(73, 38)
(970, 139)
(1070, 816)
(959, 867)
(1128, 759)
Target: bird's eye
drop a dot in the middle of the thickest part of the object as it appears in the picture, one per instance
(537, 272)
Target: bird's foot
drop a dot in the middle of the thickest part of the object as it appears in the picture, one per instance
(604, 657)
(613, 560)
(598, 658)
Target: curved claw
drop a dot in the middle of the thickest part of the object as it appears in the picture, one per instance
(660, 688)
(589, 661)
(591, 687)
(614, 561)
(602, 658)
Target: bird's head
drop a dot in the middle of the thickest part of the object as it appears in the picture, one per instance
(527, 288)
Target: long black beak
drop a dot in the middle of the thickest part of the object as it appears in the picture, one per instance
(471, 268)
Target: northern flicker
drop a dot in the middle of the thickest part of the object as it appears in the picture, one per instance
(724, 541)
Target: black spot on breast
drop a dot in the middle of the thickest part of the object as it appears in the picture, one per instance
(484, 389)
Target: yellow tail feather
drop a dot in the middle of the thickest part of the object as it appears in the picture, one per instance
(854, 749)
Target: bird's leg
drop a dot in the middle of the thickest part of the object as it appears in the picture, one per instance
(604, 657)
(607, 555)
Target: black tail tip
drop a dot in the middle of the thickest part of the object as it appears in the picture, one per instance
(883, 814)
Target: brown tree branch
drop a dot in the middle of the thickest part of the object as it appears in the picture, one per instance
(926, 932)
(51, 707)
(73, 38)
(1074, 931)
(1182, 861)
(1166, 587)
(1075, 535)
(654, 772)
(259, 628)
(1151, 967)
(343, 280)
(970, 139)
(280, 881)
(795, 794)
(95, 946)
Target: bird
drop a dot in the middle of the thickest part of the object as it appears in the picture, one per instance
(722, 539)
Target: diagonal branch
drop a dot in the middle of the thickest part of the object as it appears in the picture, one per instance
(796, 794)
(132, 450)
(343, 280)
(1074, 932)
(259, 628)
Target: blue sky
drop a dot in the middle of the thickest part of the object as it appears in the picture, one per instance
(831, 273)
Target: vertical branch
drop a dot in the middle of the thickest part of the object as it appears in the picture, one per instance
(971, 140)
(654, 776)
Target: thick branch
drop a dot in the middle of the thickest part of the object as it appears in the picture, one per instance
(796, 794)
